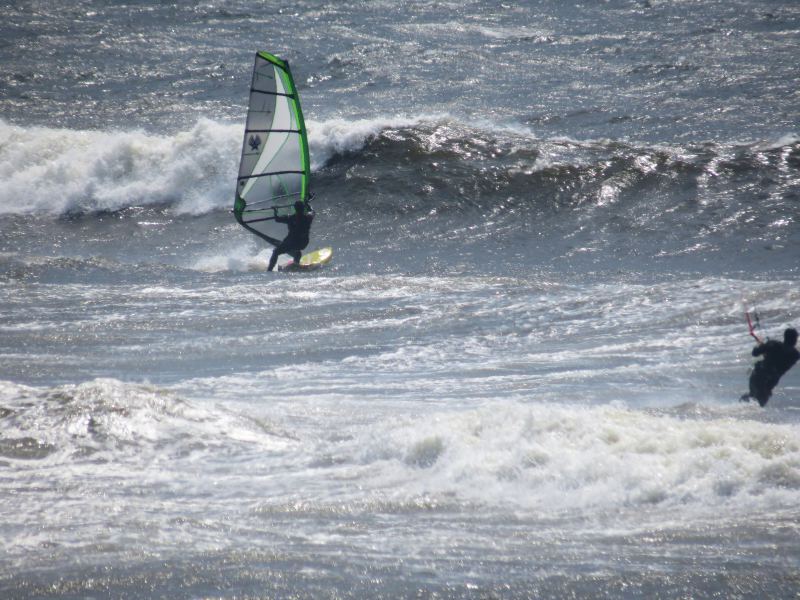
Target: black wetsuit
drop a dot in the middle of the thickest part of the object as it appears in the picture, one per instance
(779, 357)
(296, 240)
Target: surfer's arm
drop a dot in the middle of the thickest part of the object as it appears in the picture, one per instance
(768, 347)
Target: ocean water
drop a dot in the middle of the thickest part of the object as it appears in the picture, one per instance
(518, 378)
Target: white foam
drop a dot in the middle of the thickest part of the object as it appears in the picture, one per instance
(122, 419)
(782, 142)
(551, 458)
(55, 171)
(237, 258)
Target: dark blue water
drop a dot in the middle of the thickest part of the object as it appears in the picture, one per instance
(518, 376)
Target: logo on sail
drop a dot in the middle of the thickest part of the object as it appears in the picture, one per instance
(255, 142)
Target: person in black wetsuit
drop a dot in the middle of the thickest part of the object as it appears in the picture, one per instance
(297, 239)
(779, 357)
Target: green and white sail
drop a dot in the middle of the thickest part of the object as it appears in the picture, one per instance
(274, 170)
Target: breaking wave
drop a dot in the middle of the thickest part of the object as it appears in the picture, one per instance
(63, 171)
(548, 458)
(399, 165)
(553, 459)
(439, 180)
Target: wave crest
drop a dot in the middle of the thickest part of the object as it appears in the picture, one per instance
(404, 164)
(62, 171)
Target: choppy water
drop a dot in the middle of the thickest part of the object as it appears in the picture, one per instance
(518, 377)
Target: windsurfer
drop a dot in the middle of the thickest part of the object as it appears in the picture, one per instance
(296, 240)
(779, 357)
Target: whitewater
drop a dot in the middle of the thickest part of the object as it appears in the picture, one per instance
(518, 377)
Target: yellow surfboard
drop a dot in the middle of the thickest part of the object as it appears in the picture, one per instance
(308, 262)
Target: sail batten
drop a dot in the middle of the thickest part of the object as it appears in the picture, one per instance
(272, 93)
(272, 131)
(274, 168)
(268, 175)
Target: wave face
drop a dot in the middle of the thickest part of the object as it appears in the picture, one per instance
(444, 166)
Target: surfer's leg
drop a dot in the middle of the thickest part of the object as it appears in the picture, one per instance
(282, 248)
(756, 382)
(762, 381)
(763, 394)
(274, 258)
(296, 254)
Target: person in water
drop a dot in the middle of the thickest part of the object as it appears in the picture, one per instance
(296, 240)
(779, 357)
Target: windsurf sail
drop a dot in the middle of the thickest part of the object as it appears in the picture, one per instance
(274, 169)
